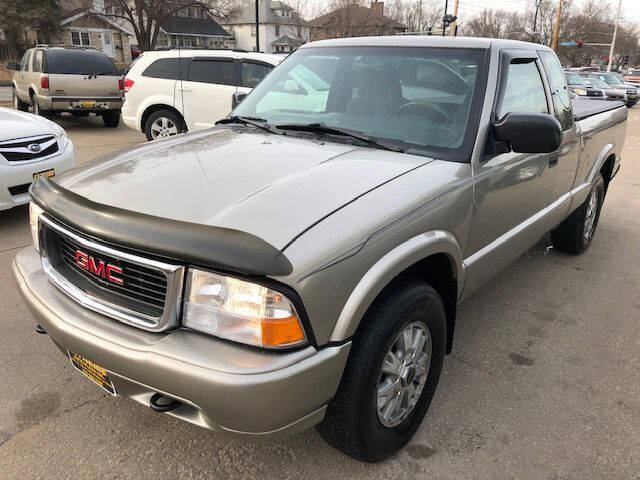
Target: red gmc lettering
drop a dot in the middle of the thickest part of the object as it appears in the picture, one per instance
(99, 268)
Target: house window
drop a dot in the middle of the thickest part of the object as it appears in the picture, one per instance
(80, 38)
(277, 30)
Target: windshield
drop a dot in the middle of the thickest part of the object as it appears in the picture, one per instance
(609, 78)
(417, 98)
(573, 79)
(594, 82)
(79, 62)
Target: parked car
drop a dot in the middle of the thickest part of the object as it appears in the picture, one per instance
(170, 91)
(632, 76)
(295, 267)
(609, 92)
(613, 80)
(578, 86)
(30, 147)
(55, 79)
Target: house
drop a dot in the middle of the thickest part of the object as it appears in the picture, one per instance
(193, 28)
(353, 20)
(281, 28)
(86, 28)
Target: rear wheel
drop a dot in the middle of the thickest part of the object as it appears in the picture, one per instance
(391, 375)
(111, 118)
(36, 106)
(19, 104)
(575, 233)
(163, 124)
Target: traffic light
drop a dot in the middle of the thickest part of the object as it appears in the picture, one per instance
(448, 19)
(580, 42)
(625, 60)
(429, 30)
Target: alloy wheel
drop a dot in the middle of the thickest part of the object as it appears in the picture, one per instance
(590, 217)
(163, 127)
(404, 374)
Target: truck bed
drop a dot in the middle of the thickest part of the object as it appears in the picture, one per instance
(585, 108)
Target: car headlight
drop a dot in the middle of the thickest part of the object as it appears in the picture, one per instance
(63, 140)
(34, 215)
(241, 311)
(580, 91)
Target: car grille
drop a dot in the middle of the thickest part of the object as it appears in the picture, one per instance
(28, 149)
(143, 291)
(594, 93)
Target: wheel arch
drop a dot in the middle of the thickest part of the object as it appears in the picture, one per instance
(434, 257)
(154, 108)
(606, 170)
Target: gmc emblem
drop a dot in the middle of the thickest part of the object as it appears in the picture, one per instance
(99, 268)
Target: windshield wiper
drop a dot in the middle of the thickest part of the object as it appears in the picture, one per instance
(345, 132)
(254, 121)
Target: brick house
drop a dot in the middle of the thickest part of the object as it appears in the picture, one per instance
(354, 20)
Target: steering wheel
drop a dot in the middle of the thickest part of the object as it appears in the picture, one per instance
(443, 115)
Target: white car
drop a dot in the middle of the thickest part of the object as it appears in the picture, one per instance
(171, 91)
(30, 146)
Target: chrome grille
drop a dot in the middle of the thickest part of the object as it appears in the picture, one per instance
(28, 149)
(148, 296)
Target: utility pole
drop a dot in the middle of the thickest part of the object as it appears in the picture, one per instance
(615, 34)
(444, 24)
(454, 26)
(257, 28)
(556, 29)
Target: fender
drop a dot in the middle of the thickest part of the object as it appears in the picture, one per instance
(388, 267)
(154, 101)
(605, 153)
(581, 191)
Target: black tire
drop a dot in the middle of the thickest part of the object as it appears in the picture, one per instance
(80, 114)
(36, 107)
(352, 423)
(171, 116)
(17, 103)
(111, 119)
(571, 235)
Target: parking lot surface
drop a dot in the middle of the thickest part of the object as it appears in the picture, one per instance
(543, 382)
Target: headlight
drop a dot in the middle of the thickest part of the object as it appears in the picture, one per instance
(34, 214)
(63, 140)
(580, 91)
(242, 311)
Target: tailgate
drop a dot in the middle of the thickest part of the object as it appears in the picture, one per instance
(83, 86)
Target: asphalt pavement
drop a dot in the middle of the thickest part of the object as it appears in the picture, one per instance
(5, 94)
(543, 382)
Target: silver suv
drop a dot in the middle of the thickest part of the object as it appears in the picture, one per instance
(56, 79)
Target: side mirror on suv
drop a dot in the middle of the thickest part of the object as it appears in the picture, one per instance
(529, 132)
(13, 66)
(237, 98)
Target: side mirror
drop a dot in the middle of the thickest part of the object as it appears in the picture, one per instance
(13, 66)
(237, 98)
(529, 132)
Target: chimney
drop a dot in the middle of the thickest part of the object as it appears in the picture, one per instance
(377, 8)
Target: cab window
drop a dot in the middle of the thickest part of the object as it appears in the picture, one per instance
(253, 73)
(559, 90)
(524, 91)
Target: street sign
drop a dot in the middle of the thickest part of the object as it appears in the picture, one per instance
(568, 44)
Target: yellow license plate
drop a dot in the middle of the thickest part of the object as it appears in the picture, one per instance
(46, 173)
(93, 371)
(88, 104)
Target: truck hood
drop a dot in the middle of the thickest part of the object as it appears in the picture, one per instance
(271, 186)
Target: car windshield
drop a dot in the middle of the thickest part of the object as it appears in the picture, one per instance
(419, 99)
(595, 82)
(79, 62)
(573, 78)
(609, 78)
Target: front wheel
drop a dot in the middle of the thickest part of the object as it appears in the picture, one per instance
(575, 233)
(19, 104)
(391, 375)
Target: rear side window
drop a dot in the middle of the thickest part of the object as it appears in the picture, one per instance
(37, 61)
(169, 68)
(78, 62)
(253, 73)
(559, 90)
(524, 91)
(211, 71)
(25, 61)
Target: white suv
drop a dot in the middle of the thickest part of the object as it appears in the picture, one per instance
(170, 91)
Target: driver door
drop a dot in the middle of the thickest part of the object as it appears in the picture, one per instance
(512, 189)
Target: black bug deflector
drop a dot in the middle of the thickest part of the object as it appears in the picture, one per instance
(211, 246)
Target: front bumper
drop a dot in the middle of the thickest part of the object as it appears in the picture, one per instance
(21, 173)
(249, 393)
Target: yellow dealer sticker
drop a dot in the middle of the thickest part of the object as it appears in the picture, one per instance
(93, 371)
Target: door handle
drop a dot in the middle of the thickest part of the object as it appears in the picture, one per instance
(553, 159)
(186, 90)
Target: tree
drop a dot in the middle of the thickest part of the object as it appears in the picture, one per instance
(147, 16)
(417, 15)
(42, 16)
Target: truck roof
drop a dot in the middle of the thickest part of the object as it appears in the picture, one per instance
(426, 41)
